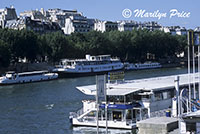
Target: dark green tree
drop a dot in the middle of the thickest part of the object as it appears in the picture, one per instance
(5, 54)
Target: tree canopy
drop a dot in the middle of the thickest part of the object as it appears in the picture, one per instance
(132, 46)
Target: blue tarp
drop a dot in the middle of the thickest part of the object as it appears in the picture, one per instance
(196, 105)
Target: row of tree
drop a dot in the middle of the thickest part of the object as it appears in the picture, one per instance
(132, 46)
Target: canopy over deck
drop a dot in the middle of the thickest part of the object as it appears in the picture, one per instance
(149, 84)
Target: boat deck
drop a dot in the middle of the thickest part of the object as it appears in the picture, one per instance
(157, 125)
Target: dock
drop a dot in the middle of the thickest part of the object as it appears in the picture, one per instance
(157, 125)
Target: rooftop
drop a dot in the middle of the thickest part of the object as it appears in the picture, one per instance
(150, 84)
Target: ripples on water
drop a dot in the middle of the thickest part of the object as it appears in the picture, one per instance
(43, 108)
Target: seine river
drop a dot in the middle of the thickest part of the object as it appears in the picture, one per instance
(43, 108)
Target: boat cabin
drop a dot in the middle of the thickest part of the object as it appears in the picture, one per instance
(98, 58)
(131, 101)
(14, 75)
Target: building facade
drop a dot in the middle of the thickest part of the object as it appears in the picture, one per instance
(59, 16)
(78, 24)
(181, 31)
(127, 25)
(152, 26)
(34, 15)
(175, 30)
(104, 26)
(6, 15)
(35, 25)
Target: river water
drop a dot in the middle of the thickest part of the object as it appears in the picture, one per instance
(43, 108)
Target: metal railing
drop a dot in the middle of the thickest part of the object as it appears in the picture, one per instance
(159, 113)
(76, 114)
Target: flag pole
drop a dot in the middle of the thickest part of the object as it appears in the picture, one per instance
(189, 70)
(193, 54)
(106, 105)
(199, 62)
(97, 105)
(199, 69)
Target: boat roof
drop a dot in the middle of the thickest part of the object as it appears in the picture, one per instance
(105, 55)
(34, 72)
(192, 114)
(84, 59)
(91, 90)
(149, 84)
(10, 72)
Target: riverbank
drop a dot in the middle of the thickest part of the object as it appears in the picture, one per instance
(27, 67)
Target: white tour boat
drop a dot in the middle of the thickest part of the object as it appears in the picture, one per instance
(26, 77)
(129, 102)
(92, 65)
(138, 66)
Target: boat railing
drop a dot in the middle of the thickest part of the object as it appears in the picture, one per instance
(80, 112)
(59, 66)
(72, 115)
(76, 114)
(159, 113)
(87, 118)
(129, 121)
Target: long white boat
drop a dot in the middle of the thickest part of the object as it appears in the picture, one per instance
(138, 66)
(129, 102)
(26, 77)
(91, 65)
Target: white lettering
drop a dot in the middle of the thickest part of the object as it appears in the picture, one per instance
(183, 14)
(156, 14)
(139, 13)
(173, 12)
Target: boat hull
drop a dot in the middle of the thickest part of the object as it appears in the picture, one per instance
(86, 130)
(7, 84)
(102, 124)
(64, 74)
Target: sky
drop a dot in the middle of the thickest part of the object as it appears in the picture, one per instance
(112, 9)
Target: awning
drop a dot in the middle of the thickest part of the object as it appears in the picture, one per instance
(120, 106)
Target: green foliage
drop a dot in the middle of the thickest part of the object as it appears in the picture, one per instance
(4, 54)
(131, 46)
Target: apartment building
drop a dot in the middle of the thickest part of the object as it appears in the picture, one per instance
(7, 14)
(104, 26)
(35, 25)
(78, 24)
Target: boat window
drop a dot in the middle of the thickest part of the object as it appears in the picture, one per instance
(91, 114)
(15, 76)
(145, 97)
(129, 98)
(68, 63)
(165, 96)
(158, 96)
(137, 97)
(116, 99)
(169, 94)
(62, 63)
(117, 115)
(129, 114)
(31, 74)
